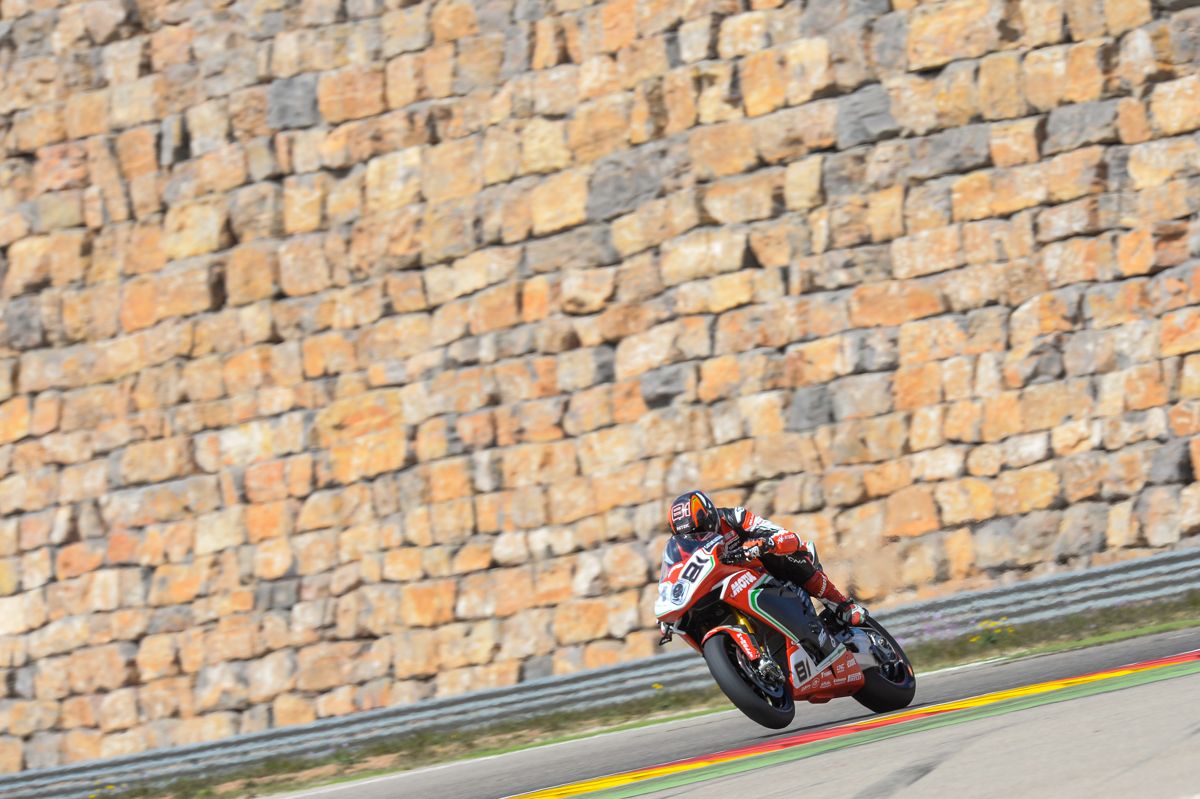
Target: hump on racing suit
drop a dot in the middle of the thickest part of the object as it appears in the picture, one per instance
(798, 566)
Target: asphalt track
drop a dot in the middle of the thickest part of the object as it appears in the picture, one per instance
(1036, 726)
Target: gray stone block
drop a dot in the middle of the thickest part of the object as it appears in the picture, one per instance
(1082, 530)
(1073, 126)
(23, 323)
(889, 39)
(873, 350)
(810, 407)
(581, 248)
(951, 151)
(661, 386)
(865, 116)
(292, 102)
(861, 396)
(1171, 463)
(624, 180)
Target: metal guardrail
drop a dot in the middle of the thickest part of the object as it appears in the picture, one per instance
(1160, 576)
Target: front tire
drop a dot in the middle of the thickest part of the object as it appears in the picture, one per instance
(887, 688)
(769, 706)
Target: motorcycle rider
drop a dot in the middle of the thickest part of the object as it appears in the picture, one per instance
(783, 554)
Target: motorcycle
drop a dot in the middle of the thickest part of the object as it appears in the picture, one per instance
(764, 642)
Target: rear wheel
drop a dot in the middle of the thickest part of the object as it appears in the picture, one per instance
(892, 685)
(766, 701)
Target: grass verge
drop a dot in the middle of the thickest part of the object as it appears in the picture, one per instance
(993, 639)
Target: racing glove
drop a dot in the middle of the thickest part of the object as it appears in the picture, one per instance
(851, 613)
(743, 551)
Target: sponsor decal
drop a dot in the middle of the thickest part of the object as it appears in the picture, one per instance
(744, 581)
(745, 643)
(677, 593)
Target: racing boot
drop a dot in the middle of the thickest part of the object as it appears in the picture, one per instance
(848, 612)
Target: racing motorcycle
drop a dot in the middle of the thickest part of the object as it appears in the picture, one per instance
(764, 642)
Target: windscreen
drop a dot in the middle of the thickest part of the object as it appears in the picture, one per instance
(679, 548)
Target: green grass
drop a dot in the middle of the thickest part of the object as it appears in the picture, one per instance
(994, 639)
(997, 638)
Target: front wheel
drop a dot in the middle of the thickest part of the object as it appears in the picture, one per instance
(766, 702)
(892, 685)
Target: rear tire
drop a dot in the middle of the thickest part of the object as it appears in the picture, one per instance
(887, 689)
(775, 712)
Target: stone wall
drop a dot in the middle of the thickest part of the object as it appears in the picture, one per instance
(349, 348)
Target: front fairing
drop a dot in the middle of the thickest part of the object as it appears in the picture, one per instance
(688, 567)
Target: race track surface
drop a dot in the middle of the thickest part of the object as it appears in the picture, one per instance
(1117, 731)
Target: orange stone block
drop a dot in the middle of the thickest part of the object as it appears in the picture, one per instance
(429, 603)
(911, 511)
(918, 386)
(78, 558)
(1026, 490)
(350, 93)
(763, 81)
(15, 420)
(719, 150)
(1001, 416)
(966, 500)
(893, 303)
(1180, 332)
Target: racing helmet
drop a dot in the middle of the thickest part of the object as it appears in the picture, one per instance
(692, 515)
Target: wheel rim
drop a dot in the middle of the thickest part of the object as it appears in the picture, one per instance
(775, 693)
(892, 666)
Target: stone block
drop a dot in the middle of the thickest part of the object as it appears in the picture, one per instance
(865, 116)
(587, 291)
(966, 500)
(720, 150)
(763, 79)
(1180, 332)
(452, 170)
(393, 180)
(949, 31)
(1001, 90)
(350, 93)
(303, 268)
(927, 252)
(1006, 544)
(802, 185)
(560, 202)
(911, 511)
(195, 229)
(1158, 512)
(1016, 143)
(1025, 490)
(14, 419)
(428, 603)
(893, 303)
(1073, 126)
(251, 274)
(743, 199)
(1175, 106)
(1085, 18)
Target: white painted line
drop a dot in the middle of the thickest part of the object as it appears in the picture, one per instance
(963, 667)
